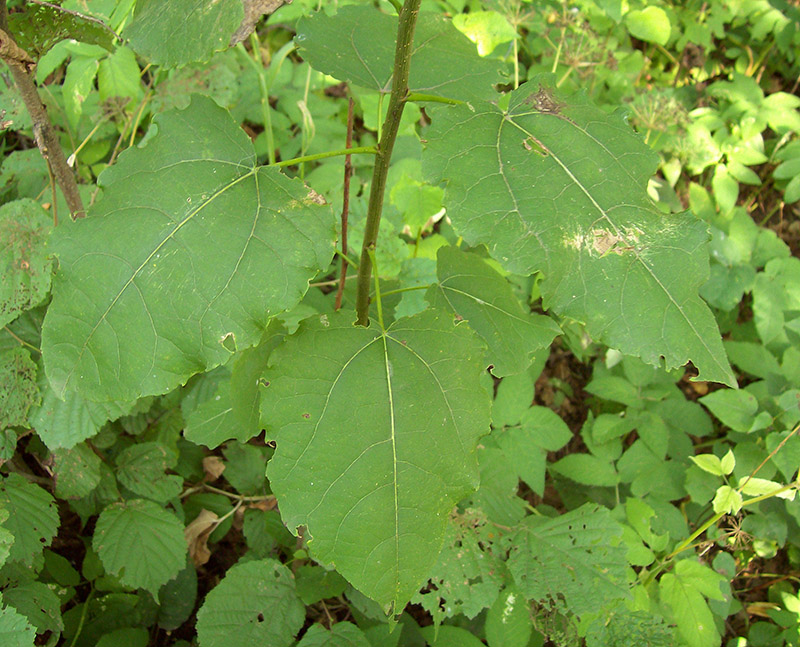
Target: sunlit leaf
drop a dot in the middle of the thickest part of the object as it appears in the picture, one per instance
(358, 45)
(555, 185)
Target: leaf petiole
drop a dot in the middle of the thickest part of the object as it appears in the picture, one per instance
(371, 150)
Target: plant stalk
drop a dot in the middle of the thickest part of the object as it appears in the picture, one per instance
(402, 64)
(348, 172)
(22, 68)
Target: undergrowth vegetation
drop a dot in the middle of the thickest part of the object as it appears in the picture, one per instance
(435, 322)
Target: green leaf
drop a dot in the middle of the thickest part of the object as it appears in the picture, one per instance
(358, 43)
(474, 291)
(587, 470)
(18, 390)
(118, 76)
(508, 623)
(183, 31)
(245, 394)
(372, 422)
(64, 423)
(315, 583)
(449, 636)
(33, 520)
(650, 25)
(142, 469)
(735, 409)
(727, 500)
(177, 598)
(709, 463)
(487, 29)
(245, 468)
(38, 28)
(140, 543)
(541, 430)
(549, 159)
(575, 561)
(468, 576)
(125, 637)
(14, 628)
(6, 538)
(77, 471)
(139, 304)
(342, 634)
(38, 603)
(25, 269)
(684, 592)
(255, 604)
(213, 421)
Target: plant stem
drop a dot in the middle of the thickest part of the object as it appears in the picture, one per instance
(402, 62)
(266, 112)
(418, 96)
(318, 156)
(22, 69)
(348, 172)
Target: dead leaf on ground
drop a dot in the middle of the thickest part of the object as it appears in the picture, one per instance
(196, 535)
(213, 466)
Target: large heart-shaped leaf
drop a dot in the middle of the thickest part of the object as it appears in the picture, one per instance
(380, 428)
(556, 185)
(358, 45)
(190, 251)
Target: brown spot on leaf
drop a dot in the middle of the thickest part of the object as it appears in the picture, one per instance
(543, 100)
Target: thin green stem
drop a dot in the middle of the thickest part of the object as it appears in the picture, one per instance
(401, 290)
(372, 150)
(419, 96)
(266, 112)
(82, 620)
(21, 341)
(398, 6)
(349, 260)
(402, 62)
(378, 302)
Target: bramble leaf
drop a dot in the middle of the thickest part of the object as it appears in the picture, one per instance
(62, 424)
(255, 604)
(14, 628)
(140, 543)
(685, 591)
(142, 469)
(183, 31)
(342, 634)
(555, 185)
(33, 520)
(467, 576)
(474, 291)
(25, 269)
(381, 428)
(358, 45)
(18, 390)
(574, 561)
(77, 471)
(139, 303)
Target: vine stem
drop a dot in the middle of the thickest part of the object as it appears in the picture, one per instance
(22, 68)
(348, 172)
(402, 62)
